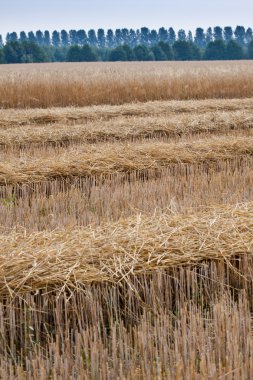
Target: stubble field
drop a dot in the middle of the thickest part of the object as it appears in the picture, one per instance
(126, 221)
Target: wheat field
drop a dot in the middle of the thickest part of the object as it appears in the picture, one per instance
(126, 221)
(86, 84)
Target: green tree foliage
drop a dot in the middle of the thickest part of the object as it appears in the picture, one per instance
(56, 40)
(81, 54)
(39, 37)
(13, 52)
(118, 37)
(209, 35)
(12, 37)
(92, 37)
(200, 38)
(22, 36)
(249, 35)
(32, 53)
(23, 52)
(250, 50)
(217, 33)
(101, 38)
(233, 50)
(181, 35)
(81, 37)
(215, 50)
(130, 56)
(185, 51)
(73, 37)
(167, 50)
(189, 37)
(133, 39)
(163, 35)
(153, 37)
(31, 37)
(128, 44)
(171, 36)
(47, 38)
(2, 58)
(228, 33)
(125, 36)
(141, 53)
(74, 54)
(240, 35)
(158, 53)
(145, 36)
(118, 54)
(64, 38)
(110, 38)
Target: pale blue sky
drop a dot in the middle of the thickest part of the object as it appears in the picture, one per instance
(17, 15)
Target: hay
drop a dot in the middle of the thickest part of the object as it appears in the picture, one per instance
(115, 251)
(108, 159)
(125, 128)
(76, 115)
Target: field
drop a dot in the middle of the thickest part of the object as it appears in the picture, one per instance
(126, 221)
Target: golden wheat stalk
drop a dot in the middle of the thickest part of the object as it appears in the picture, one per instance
(49, 85)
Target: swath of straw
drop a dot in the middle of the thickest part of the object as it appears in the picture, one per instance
(107, 159)
(128, 128)
(112, 252)
(72, 115)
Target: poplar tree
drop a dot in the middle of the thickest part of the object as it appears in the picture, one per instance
(64, 38)
(47, 38)
(56, 41)
(110, 38)
(200, 38)
(101, 38)
(171, 36)
(39, 37)
(217, 33)
(22, 36)
(228, 33)
(240, 35)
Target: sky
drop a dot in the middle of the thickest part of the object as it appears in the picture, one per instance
(18, 15)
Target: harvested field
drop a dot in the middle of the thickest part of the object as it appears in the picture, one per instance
(126, 221)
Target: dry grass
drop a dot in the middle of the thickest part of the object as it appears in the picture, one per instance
(108, 159)
(117, 250)
(126, 231)
(128, 129)
(75, 115)
(82, 84)
(81, 202)
(143, 329)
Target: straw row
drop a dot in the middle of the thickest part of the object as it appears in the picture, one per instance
(128, 128)
(130, 246)
(107, 159)
(77, 115)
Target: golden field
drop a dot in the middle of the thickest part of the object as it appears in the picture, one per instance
(85, 84)
(126, 221)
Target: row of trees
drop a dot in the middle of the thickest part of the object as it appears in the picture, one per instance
(28, 52)
(131, 37)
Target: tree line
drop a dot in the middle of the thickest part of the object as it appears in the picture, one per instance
(143, 36)
(127, 45)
